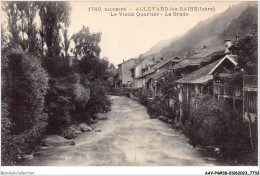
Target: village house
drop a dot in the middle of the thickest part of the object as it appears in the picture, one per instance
(123, 77)
(152, 75)
(138, 70)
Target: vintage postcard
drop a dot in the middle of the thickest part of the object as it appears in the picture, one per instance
(129, 83)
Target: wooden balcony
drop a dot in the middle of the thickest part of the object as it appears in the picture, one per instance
(250, 83)
(227, 91)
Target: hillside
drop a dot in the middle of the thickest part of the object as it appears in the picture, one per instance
(212, 32)
(160, 45)
(242, 25)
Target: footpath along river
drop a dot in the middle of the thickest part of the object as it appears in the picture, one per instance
(127, 138)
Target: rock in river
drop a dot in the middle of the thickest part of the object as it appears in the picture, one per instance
(77, 132)
(101, 116)
(163, 118)
(84, 128)
(55, 140)
(69, 132)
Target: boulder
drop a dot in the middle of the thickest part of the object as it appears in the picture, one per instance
(69, 132)
(163, 118)
(84, 128)
(77, 132)
(101, 116)
(55, 140)
(74, 127)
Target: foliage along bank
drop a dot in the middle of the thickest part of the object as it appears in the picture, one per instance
(42, 91)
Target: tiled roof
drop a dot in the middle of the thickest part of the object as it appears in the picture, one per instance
(203, 53)
(202, 56)
(159, 65)
(156, 75)
(203, 74)
(186, 63)
(165, 61)
(137, 62)
(199, 76)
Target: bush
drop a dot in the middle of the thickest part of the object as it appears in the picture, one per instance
(157, 107)
(143, 95)
(59, 102)
(24, 86)
(143, 99)
(207, 123)
(99, 101)
(81, 95)
(214, 124)
(186, 113)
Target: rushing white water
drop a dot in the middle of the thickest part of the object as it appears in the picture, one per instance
(127, 138)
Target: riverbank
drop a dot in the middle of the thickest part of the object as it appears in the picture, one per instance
(66, 138)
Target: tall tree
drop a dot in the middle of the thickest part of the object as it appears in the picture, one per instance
(86, 43)
(53, 15)
(13, 17)
(21, 24)
(28, 12)
(66, 42)
(66, 39)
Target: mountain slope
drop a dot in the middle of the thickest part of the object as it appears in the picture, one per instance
(210, 32)
(160, 45)
(242, 25)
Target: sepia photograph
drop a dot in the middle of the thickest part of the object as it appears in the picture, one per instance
(129, 83)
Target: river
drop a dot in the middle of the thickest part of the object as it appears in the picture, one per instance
(127, 138)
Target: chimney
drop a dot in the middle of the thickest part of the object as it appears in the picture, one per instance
(161, 58)
(227, 45)
(149, 67)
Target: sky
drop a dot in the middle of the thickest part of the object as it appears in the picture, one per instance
(125, 37)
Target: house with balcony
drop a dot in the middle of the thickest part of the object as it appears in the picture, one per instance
(229, 86)
(200, 81)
